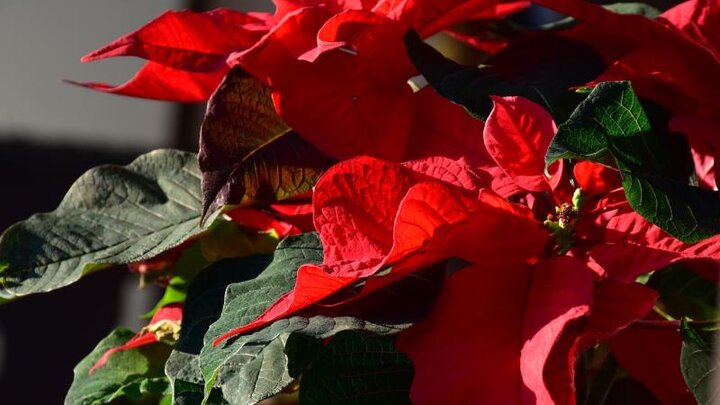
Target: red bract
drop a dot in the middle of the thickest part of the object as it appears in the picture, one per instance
(650, 354)
(525, 350)
(653, 55)
(341, 82)
(522, 351)
(372, 214)
(186, 53)
(338, 69)
(165, 324)
(616, 240)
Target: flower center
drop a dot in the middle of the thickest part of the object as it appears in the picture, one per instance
(562, 223)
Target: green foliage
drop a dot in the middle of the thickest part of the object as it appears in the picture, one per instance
(357, 368)
(542, 69)
(699, 363)
(246, 300)
(253, 367)
(132, 373)
(685, 294)
(202, 307)
(111, 215)
(610, 127)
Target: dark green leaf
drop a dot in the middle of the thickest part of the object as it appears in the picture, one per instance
(111, 215)
(186, 382)
(686, 212)
(247, 153)
(540, 67)
(202, 308)
(358, 368)
(131, 373)
(699, 364)
(205, 298)
(253, 367)
(683, 293)
(221, 240)
(618, 8)
(246, 300)
(610, 127)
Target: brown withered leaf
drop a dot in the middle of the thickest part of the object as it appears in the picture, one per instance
(247, 153)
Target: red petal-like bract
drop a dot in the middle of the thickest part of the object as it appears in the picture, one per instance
(659, 50)
(650, 355)
(559, 295)
(467, 349)
(171, 312)
(186, 53)
(360, 102)
(595, 179)
(517, 135)
(523, 351)
(187, 40)
(356, 64)
(372, 214)
(632, 246)
(160, 82)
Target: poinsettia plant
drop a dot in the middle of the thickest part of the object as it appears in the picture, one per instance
(369, 221)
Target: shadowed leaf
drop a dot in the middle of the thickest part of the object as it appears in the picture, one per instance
(111, 215)
(611, 127)
(541, 68)
(358, 368)
(131, 373)
(253, 367)
(699, 363)
(247, 153)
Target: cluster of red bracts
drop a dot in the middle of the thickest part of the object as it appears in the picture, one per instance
(421, 181)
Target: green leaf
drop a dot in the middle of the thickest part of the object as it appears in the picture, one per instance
(175, 293)
(185, 393)
(253, 367)
(246, 300)
(202, 308)
(132, 373)
(699, 363)
(358, 368)
(541, 68)
(610, 127)
(247, 153)
(683, 293)
(111, 215)
(222, 240)
(642, 9)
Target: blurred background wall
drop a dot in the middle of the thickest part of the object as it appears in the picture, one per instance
(50, 133)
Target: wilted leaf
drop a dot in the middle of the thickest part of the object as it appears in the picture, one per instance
(247, 153)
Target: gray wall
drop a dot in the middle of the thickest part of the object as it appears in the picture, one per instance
(41, 42)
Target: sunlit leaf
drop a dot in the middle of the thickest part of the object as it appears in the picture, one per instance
(111, 215)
